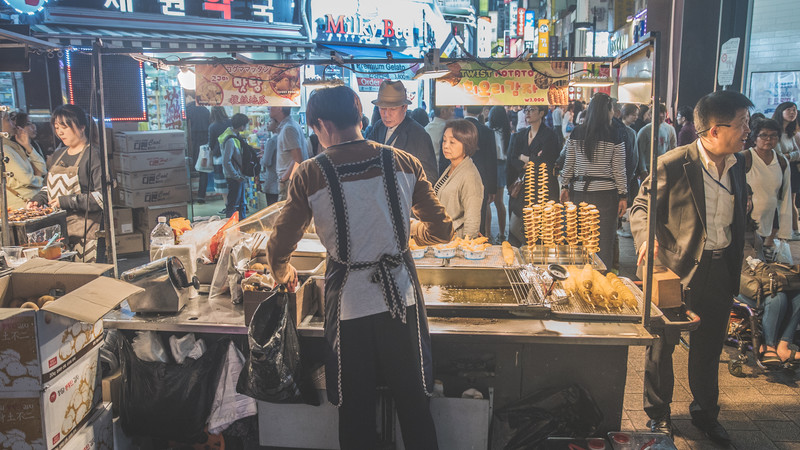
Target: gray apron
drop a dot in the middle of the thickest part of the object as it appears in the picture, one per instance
(338, 269)
(63, 180)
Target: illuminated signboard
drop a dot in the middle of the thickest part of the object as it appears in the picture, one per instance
(26, 6)
(269, 11)
(123, 80)
(543, 38)
(520, 21)
(530, 26)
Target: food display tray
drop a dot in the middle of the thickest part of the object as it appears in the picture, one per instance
(560, 254)
(20, 229)
(578, 309)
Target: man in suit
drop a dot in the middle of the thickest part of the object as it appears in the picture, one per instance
(699, 235)
(398, 130)
(485, 159)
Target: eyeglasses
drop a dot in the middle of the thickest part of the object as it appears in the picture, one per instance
(727, 125)
(767, 136)
(530, 110)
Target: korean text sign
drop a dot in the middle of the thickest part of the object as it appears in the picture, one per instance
(536, 83)
(252, 85)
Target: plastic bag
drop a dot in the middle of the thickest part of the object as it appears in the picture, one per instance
(230, 406)
(568, 411)
(225, 274)
(200, 236)
(273, 371)
(165, 400)
(783, 253)
(43, 234)
(186, 347)
(204, 163)
(148, 347)
(215, 245)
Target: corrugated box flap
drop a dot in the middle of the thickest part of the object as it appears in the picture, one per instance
(90, 302)
(41, 265)
(5, 313)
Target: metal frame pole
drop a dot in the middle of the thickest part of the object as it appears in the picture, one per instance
(110, 236)
(3, 197)
(651, 212)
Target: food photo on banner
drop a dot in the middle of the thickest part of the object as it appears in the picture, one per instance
(535, 83)
(239, 84)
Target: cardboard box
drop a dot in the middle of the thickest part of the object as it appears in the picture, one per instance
(112, 391)
(137, 162)
(145, 219)
(36, 346)
(44, 419)
(133, 181)
(666, 288)
(123, 220)
(97, 434)
(155, 196)
(149, 141)
(129, 243)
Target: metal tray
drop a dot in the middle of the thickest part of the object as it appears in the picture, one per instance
(577, 309)
(560, 254)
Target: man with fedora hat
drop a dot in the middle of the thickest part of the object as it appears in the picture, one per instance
(399, 131)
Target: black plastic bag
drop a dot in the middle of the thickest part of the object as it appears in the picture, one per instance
(568, 411)
(273, 371)
(168, 400)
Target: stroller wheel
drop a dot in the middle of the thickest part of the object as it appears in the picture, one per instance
(735, 368)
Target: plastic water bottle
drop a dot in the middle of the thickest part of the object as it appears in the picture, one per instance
(161, 235)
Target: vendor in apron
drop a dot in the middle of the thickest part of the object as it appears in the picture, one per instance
(74, 180)
(360, 195)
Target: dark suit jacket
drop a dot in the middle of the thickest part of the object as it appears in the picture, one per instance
(485, 158)
(413, 139)
(681, 213)
(542, 149)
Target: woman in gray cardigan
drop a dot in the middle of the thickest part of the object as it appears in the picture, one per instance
(459, 188)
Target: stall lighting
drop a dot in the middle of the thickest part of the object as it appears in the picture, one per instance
(592, 82)
(431, 68)
(187, 79)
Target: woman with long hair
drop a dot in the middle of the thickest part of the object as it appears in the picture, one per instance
(594, 171)
(219, 123)
(499, 123)
(74, 179)
(789, 146)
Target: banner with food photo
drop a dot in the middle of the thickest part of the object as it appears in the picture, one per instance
(248, 85)
(521, 83)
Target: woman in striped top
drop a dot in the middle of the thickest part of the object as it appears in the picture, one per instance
(594, 171)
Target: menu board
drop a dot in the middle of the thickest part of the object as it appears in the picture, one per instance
(248, 85)
(522, 83)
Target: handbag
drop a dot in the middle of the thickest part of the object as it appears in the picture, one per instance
(204, 161)
(516, 189)
(767, 279)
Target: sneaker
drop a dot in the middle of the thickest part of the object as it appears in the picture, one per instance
(201, 201)
(795, 236)
(624, 233)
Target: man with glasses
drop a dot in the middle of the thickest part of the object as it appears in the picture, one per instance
(699, 235)
(397, 130)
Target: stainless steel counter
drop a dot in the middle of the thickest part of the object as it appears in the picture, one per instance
(520, 331)
(198, 316)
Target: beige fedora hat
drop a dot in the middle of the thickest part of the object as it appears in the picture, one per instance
(391, 94)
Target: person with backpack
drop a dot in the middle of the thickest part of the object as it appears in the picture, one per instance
(768, 176)
(231, 143)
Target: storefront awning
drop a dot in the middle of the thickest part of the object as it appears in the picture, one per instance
(78, 36)
(364, 52)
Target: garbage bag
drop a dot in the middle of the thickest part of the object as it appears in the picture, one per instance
(168, 400)
(273, 371)
(564, 411)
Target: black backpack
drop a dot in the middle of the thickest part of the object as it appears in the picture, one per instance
(251, 166)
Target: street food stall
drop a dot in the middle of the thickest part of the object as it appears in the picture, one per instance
(505, 322)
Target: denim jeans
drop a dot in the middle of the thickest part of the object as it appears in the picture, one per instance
(235, 200)
(781, 316)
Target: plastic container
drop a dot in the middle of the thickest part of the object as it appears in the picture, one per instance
(444, 252)
(161, 235)
(52, 252)
(469, 254)
(418, 253)
(14, 255)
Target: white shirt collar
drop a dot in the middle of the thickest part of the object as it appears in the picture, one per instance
(730, 160)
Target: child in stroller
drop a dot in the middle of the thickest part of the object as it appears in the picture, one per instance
(773, 340)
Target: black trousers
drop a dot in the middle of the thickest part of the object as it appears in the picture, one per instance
(378, 347)
(711, 298)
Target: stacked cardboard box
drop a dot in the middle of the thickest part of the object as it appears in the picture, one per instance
(150, 169)
(49, 368)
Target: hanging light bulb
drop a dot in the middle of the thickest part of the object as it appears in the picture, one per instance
(187, 79)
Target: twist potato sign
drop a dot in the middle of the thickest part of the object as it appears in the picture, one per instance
(535, 83)
(248, 85)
